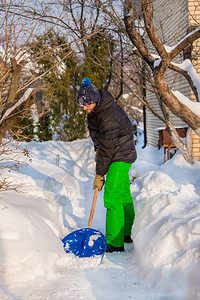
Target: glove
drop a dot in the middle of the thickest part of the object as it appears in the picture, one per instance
(98, 182)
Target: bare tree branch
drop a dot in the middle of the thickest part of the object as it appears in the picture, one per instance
(193, 84)
(152, 34)
(188, 39)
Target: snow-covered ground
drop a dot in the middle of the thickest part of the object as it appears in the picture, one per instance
(55, 199)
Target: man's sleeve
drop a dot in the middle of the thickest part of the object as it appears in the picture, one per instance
(108, 140)
(94, 136)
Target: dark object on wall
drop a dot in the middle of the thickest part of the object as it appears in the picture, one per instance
(166, 142)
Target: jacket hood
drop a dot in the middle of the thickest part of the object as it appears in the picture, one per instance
(106, 101)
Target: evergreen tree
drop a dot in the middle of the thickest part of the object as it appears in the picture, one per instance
(24, 129)
(44, 129)
(97, 59)
(27, 128)
(66, 119)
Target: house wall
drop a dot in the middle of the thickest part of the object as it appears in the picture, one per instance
(171, 22)
(194, 19)
(172, 19)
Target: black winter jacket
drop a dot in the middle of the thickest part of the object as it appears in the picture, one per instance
(111, 132)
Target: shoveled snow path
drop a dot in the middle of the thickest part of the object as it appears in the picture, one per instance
(118, 277)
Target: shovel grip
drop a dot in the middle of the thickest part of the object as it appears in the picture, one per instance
(93, 208)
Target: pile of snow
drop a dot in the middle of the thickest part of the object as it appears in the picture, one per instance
(167, 226)
(55, 199)
(33, 222)
(29, 245)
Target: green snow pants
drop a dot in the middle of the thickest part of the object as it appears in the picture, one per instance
(118, 201)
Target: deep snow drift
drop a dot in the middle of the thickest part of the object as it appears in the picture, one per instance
(55, 199)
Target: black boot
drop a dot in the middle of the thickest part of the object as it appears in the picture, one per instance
(128, 239)
(111, 249)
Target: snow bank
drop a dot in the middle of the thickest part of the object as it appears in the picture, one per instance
(56, 200)
(33, 222)
(29, 239)
(167, 226)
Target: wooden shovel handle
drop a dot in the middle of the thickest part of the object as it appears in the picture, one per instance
(93, 208)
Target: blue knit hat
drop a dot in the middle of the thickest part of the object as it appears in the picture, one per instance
(88, 93)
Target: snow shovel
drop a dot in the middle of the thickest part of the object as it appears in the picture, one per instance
(86, 242)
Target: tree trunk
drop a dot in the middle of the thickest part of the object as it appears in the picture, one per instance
(177, 108)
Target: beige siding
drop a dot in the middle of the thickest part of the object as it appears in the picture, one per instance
(196, 146)
(194, 12)
(194, 19)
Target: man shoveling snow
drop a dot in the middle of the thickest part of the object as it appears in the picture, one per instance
(112, 135)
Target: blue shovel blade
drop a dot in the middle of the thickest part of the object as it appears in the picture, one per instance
(85, 242)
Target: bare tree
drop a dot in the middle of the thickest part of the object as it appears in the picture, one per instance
(23, 23)
(130, 24)
(135, 19)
